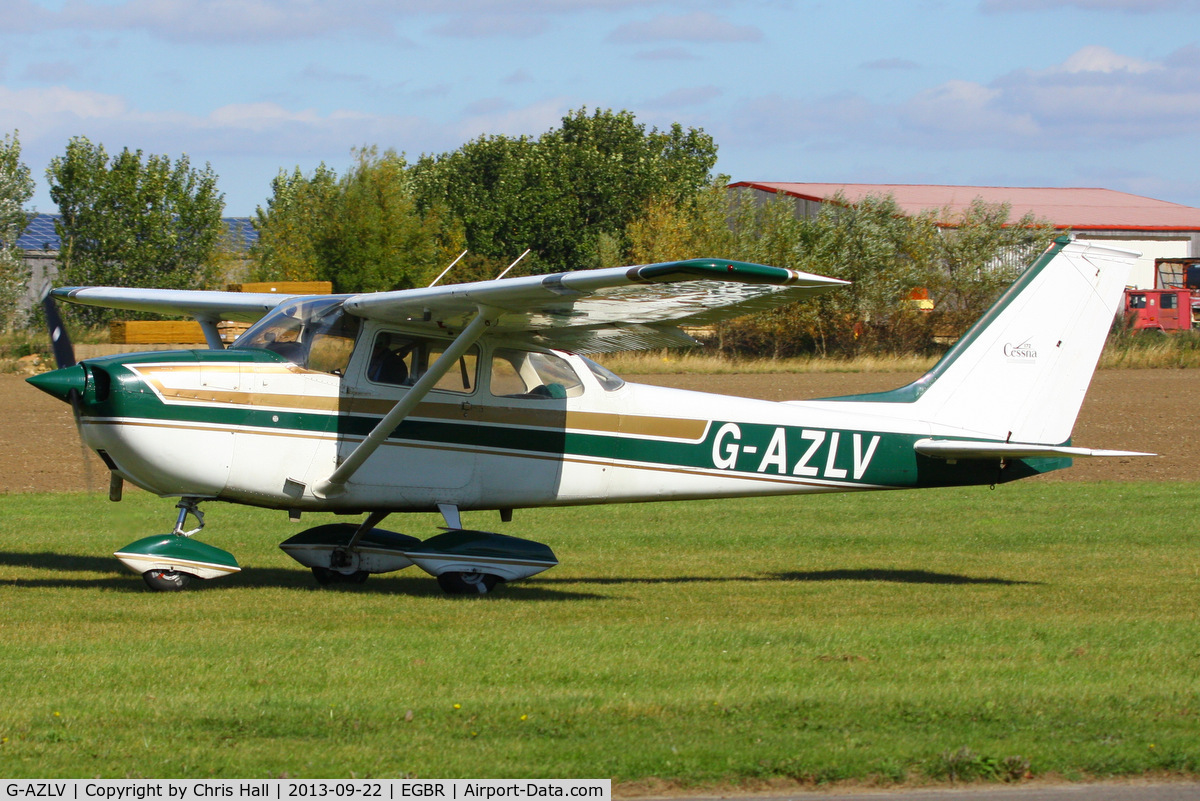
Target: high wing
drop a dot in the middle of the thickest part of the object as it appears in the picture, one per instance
(244, 307)
(589, 311)
(597, 311)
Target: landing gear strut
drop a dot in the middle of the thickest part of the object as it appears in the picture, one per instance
(169, 562)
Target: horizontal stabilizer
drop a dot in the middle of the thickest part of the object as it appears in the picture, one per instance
(966, 449)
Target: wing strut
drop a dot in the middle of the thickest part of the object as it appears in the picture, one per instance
(212, 336)
(336, 483)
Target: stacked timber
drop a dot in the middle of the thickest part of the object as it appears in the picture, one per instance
(188, 332)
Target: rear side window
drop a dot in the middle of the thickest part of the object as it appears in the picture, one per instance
(532, 375)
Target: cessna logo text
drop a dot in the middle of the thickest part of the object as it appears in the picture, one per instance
(1020, 353)
(811, 453)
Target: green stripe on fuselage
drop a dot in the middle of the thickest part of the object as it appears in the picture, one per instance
(791, 453)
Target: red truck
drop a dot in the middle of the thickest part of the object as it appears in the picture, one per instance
(1173, 304)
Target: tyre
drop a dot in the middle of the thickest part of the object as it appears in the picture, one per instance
(325, 576)
(467, 583)
(166, 580)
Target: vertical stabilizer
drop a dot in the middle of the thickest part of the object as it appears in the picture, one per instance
(1020, 373)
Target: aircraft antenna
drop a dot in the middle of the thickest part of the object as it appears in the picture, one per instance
(514, 264)
(443, 275)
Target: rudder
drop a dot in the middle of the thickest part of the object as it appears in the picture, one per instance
(1020, 373)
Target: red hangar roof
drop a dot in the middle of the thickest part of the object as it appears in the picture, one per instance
(1077, 209)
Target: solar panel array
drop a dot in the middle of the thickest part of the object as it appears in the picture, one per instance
(40, 233)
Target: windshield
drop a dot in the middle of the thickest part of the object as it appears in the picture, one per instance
(314, 333)
(607, 378)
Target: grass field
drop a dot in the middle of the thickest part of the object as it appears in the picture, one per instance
(1038, 629)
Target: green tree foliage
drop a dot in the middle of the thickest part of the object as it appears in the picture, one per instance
(362, 232)
(16, 189)
(569, 195)
(670, 229)
(959, 263)
(291, 225)
(133, 221)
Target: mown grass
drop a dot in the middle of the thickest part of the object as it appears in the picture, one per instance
(908, 637)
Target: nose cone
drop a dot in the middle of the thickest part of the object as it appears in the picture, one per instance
(59, 383)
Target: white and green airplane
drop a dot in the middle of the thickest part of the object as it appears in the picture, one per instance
(475, 397)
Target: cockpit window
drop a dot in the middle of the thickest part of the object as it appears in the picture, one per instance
(530, 374)
(314, 333)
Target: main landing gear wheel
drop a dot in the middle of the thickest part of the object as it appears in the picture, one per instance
(166, 580)
(325, 576)
(467, 583)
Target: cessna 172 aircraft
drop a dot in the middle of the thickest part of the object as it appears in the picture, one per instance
(475, 397)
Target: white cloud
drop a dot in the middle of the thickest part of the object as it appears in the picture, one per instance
(698, 26)
(49, 117)
(227, 20)
(1096, 95)
(58, 101)
(1095, 58)
(255, 21)
(1096, 98)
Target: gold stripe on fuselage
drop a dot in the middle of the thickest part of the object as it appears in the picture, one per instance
(672, 428)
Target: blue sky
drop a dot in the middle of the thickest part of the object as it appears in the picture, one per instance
(990, 92)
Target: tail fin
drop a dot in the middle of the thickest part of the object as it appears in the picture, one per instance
(1020, 373)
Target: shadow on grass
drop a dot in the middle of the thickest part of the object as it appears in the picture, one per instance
(865, 574)
(117, 579)
(896, 576)
(540, 589)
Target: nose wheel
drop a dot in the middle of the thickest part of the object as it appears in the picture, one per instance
(467, 583)
(166, 580)
(169, 562)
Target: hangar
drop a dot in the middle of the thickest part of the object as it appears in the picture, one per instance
(1155, 228)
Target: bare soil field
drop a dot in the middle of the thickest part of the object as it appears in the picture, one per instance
(1141, 410)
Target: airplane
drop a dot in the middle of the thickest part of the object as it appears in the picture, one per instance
(480, 396)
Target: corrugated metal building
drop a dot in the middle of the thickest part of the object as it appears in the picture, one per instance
(41, 244)
(1155, 228)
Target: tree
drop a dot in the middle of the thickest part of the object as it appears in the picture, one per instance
(570, 194)
(978, 255)
(291, 225)
(133, 220)
(16, 189)
(363, 231)
(961, 263)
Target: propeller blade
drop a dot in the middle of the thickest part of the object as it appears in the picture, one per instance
(60, 341)
(67, 385)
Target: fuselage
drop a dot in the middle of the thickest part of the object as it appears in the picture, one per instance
(249, 426)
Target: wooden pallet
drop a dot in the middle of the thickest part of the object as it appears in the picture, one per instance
(284, 287)
(155, 332)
